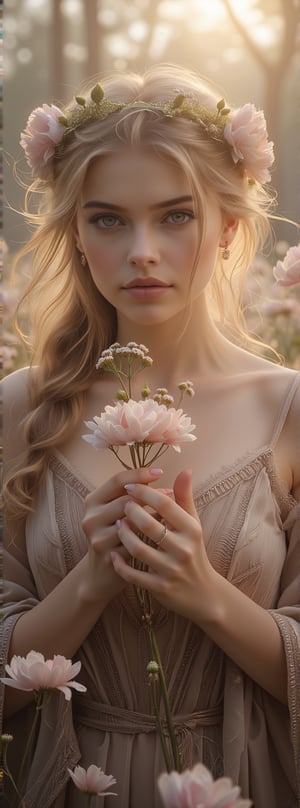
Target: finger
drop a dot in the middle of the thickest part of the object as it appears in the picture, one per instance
(98, 516)
(183, 492)
(139, 549)
(104, 539)
(146, 580)
(114, 487)
(143, 522)
(167, 508)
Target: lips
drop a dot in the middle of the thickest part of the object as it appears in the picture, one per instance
(145, 283)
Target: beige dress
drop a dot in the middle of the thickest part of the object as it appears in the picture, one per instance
(252, 535)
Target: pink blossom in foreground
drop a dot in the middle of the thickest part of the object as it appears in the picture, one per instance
(287, 272)
(92, 780)
(247, 134)
(34, 672)
(42, 133)
(132, 422)
(195, 788)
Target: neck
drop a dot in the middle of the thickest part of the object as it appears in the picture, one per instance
(180, 351)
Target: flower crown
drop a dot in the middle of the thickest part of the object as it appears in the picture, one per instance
(244, 131)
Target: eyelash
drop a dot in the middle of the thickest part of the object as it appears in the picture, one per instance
(100, 217)
(188, 213)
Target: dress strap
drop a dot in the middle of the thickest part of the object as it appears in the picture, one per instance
(284, 409)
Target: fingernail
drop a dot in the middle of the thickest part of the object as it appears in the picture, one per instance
(118, 524)
(130, 486)
(155, 472)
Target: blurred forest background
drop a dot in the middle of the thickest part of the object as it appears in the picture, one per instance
(249, 48)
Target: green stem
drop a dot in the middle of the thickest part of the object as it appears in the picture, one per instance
(133, 457)
(162, 449)
(159, 726)
(8, 773)
(125, 466)
(140, 593)
(156, 656)
(40, 698)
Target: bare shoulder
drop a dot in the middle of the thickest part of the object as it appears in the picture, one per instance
(282, 390)
(291, 433)
(277, 394)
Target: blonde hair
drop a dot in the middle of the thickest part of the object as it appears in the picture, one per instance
(72, 319)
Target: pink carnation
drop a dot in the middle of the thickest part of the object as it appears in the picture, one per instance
(195, 787)
(132, 422)
(34, 672)
(43, 132)
(92, 780)
(247, 135)
(287, 272)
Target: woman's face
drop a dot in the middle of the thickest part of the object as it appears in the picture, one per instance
(138, 228)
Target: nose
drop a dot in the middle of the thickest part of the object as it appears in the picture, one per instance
(143, 249)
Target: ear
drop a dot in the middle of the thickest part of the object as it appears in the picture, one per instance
(76, 237)
(229, 229)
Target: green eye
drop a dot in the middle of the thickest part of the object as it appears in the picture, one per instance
(179, 216)
(106, 221)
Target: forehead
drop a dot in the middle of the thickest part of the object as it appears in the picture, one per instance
(134, 177)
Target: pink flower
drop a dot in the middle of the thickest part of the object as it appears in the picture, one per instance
(247, 134)
(195, 788)
(287, 272)
(34, 672)
(132, 422)
(92, 780)
(42, 133)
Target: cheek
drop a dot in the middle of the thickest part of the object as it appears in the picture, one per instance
(101, 253)
(184, 252)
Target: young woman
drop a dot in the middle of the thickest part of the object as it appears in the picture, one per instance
(153, 205)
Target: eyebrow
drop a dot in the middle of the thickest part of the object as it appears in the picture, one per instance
(97, 203)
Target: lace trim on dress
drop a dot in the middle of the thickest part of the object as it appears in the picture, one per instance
(216, 485)
(293, 652)
(244, 471)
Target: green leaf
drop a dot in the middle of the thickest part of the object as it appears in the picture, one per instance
(97, 94)
(80, 100)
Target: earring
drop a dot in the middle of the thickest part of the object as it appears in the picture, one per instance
(226, 252)
(83, 260)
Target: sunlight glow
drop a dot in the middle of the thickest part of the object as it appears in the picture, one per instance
(206, 15)
(265, 35)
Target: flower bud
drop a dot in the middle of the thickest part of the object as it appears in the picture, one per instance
(152, 666)
(6, 738)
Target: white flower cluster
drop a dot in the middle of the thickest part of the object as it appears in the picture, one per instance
(111, 358)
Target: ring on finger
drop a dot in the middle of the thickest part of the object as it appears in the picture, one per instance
(162, 536)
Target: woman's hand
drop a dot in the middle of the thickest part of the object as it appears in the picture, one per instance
(103, 508)
(179, 574)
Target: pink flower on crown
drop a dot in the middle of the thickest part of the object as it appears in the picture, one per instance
(92, 780)
(247, 134)
(287, 272)
(132, 422)
(42, 133)
(34, 672)
(195, 787)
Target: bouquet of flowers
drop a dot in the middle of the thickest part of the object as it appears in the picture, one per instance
(147, 428)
